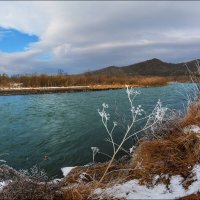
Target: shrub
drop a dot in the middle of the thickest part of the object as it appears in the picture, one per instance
(31, 184)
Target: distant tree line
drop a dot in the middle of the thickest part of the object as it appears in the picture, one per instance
(61, 79)
(44, 80)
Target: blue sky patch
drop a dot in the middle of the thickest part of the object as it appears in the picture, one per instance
(45, 57)
(12, 40)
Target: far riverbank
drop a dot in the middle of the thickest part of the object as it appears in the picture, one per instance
(47, 90)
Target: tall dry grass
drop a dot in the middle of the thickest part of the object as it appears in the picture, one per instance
(45, 80)
(192, 116)
(175, 155)
(151, 81)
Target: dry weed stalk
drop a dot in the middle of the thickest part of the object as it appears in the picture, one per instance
(137, 115)
(193, 115)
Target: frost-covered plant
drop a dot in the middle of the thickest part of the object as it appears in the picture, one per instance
(95, 150)
(29, 184)
(194, 75)
(154, 119)
(35, 174)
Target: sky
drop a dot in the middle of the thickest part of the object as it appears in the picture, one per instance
(44, 36)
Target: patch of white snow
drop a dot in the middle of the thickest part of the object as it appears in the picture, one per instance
(3, 184)
(192, 128)
(66, 170)
(133, 190)
(55, 181)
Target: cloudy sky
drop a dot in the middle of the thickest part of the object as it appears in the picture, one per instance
(77, 36)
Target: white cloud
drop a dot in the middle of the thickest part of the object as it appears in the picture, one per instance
(83, 35)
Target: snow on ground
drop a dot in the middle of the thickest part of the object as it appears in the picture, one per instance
(133, 190)
(66, 170)
(40, 88)
(3, 184)
(192, 128)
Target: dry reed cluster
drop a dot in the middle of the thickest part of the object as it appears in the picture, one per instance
(45, 80)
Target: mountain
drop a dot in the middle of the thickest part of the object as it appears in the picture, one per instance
(153, 67)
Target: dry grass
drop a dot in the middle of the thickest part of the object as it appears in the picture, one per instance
(193, 115)
(117, 172)
(191, 197)
(151, 81)
(175, 155)
(133, 82)
(76, 188)
(27, 189)
(114, 86)
(80, 192)
(44, 80)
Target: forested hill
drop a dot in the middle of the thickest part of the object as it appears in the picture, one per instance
(153, 67)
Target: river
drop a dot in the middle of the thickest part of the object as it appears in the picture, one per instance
(64, 126)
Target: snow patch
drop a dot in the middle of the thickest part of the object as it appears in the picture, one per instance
(55, 181)
(66, 170)
(133, 190)
(191, 128)
(3, 184)
(40, 88)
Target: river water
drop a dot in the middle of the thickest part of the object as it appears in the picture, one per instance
(65, 126)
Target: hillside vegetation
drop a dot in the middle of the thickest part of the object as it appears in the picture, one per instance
(153, 67)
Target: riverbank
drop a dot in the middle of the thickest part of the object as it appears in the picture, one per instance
(6, 91)
(57, 84)
(49, 90)
(166, 167)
